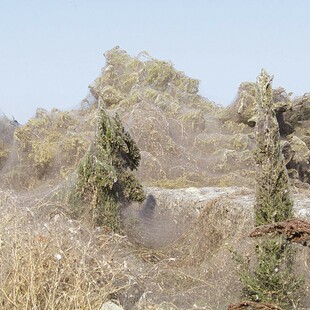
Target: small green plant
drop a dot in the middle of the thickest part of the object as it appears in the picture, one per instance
(105, 178)
(272, 279)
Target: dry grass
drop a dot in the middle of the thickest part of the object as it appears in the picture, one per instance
(50, 262)
(55, 264)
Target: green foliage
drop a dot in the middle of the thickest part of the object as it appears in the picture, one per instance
(272, 280)
(273, 202)
(105, 178)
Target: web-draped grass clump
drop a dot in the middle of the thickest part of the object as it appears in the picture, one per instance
(128, 80)
(6, 138)
(272, 279)
(48, 146)
(105, 178)
(4, 152)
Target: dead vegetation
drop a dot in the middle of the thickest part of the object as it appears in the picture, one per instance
(185, 140)
(252, 306)
(294, 230)
(54, 263)
(51, 262)
(6, 138)
(48, 147)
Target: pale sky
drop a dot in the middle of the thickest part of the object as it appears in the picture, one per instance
(51, 50)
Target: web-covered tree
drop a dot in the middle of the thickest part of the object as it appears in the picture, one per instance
(273, 202)
(105, 177)
(271, 281)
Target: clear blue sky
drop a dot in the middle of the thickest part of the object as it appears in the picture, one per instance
(51, 50)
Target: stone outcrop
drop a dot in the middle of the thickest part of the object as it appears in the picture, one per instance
(293, 116)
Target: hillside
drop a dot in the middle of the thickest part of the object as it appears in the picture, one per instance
(196, 163)
(184, 139)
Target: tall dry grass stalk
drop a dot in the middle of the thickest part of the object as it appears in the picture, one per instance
(54, 264)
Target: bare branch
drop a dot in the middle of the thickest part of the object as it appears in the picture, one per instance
(295, 230)
(253, 305)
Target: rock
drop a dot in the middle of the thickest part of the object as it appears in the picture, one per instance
(252, 121)
(299, 155)
(245, 105)
(148, 207)
(293, 174)
(285, 128)
(282, 100)
(283, 106)
(300, 110)
(300, 149)
(287, 152)
(109, 305)
(306, 139)
(130, 296)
